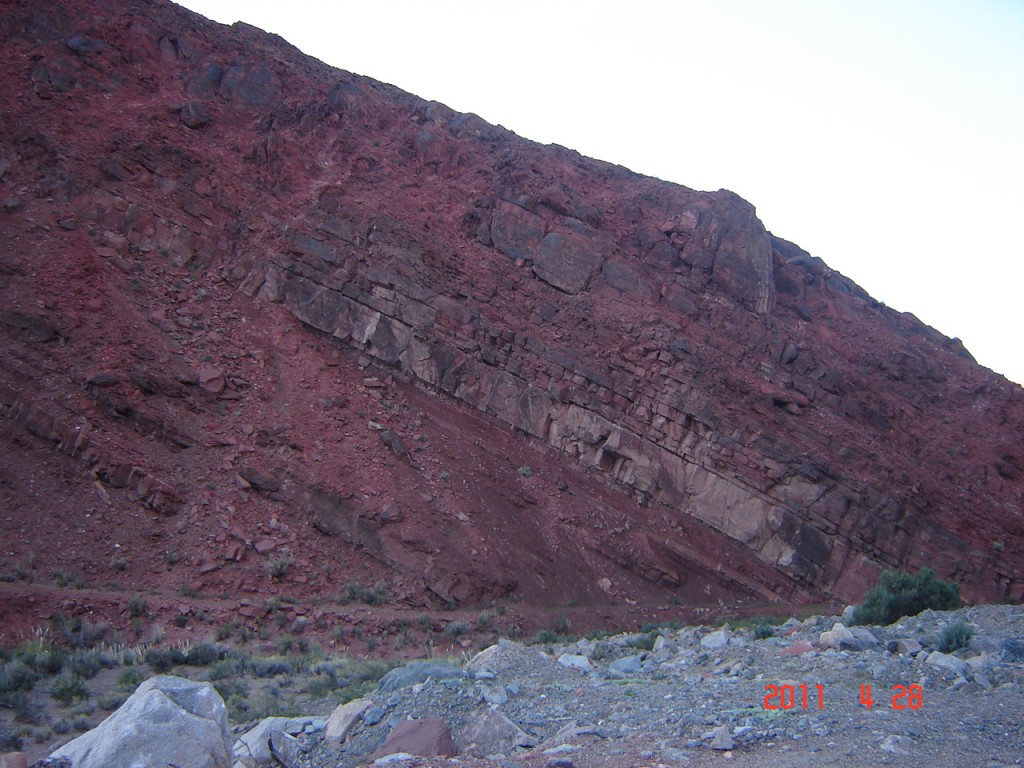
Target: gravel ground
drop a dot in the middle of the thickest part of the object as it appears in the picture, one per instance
(666, 706)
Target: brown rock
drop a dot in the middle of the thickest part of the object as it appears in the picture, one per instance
(211, 379)
(423, 738)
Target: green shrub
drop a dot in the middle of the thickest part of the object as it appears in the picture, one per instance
(278, 567)
(956, 636)
(375, 595)
(111, 700)
(525, 471)
(16, 676)
(544, 637)
(202, 654)
(85, 664)
(129, 678)
(163, 659)
(270, 666)
(137, 606)
(764, 631)
(899, 594)
(68, 687)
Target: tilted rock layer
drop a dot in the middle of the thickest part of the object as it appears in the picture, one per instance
(709, 409)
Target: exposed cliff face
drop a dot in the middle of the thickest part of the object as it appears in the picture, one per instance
(706, 408)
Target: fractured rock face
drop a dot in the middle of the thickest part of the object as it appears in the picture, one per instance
(717, 408)
(168, 720)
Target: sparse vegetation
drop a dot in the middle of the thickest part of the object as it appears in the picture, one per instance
(67, 688)
(956, 636)
(525, 471)
(278, 567)
(375, 595)
(137, 606)
(900, 594)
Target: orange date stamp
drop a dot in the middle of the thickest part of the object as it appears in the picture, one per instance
(813, 697)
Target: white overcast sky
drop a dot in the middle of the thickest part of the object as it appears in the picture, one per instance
(884, 136)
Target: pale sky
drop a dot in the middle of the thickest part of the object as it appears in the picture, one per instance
(884, 136)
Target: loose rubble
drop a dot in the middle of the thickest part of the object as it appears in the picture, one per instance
(689, 696)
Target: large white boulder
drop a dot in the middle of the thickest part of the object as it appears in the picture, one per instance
(167, 721)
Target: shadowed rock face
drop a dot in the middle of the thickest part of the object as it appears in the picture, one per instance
(739, 415)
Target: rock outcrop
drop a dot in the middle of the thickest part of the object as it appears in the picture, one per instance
(716, 412)
(167, 721)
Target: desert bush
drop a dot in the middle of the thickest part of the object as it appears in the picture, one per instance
(16, 676)
(79, 633)
(456, 629)
(85, 664)
(225, 668)
(271, 666)
(375, 595)
(129, 678)
(111, 700)
(163, 659)
(900, 594)
(764, 631)
(10, 739)
(202, 654)
(279, 566)
(68, 687)
(137, 606)
(544, 637)
(956, 636)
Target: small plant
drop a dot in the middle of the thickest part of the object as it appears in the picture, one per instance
(544, 637)
(170, 557)
(899, 594)
(84, 664)
(278, 567)
(129, 678)
(67, 688)
(16, 676)
(456, 629)
(956, 636)
(562, 625)
(111, 700)
(187, 590)
(137, 606)
(525, 471)
(118, 564)
(181, 620)
(202, 654)
(164, 659)
(374, 595)
(763, 631)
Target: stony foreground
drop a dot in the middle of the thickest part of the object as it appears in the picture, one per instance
(692, 696)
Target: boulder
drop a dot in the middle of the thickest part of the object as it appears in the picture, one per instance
(424, 738)
(167, 721)
(1012, 649)
(575, 661)
(253, 748)
(343, 719)
(714, 640)
(628, 665)
(417, 672)
(949, 663)
(493, 734)
(834, 637)
(860, 640)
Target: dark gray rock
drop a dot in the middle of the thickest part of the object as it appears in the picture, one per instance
(418, 672)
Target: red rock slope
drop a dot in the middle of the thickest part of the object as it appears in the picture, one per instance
(257, 309)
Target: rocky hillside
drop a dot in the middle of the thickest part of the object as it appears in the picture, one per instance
(271, 326)
(800, 695)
